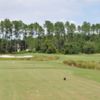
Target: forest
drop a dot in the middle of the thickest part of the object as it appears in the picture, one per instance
(58, 37)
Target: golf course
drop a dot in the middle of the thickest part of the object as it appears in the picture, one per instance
(49, 49)
(42, 78)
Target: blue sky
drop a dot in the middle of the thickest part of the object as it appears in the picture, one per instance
(30, 11)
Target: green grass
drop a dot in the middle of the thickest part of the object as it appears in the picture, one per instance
(43, 80)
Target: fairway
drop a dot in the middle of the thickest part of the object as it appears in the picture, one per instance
(43, 80)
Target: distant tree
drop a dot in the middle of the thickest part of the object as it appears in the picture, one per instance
(93, 28)
(86, 27)
(60, 37)
(71, 28)
(79, 28)
(97, 27)
(30, 43)
(59, 34)
(49, 28)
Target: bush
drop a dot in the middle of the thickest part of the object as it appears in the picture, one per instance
(51, 49)
(71, 48)
(89, 47)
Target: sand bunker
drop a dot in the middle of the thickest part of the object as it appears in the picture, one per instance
(12, 56)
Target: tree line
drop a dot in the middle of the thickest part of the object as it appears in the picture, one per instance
(58, 37)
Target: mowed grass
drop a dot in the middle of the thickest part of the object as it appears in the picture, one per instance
(43, 80)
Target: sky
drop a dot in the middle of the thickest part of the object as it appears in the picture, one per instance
(31, 11)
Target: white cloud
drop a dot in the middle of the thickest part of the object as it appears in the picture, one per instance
(40, 10)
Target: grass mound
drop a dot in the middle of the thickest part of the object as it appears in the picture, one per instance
(83, 64)
(45, 58)
(15, 58)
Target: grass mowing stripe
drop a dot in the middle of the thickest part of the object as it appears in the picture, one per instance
(35, 80)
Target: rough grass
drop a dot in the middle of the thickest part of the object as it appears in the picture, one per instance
(43, 80)
(45, 58)
(83, 64)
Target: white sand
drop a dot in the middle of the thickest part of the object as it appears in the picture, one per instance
(11, 56)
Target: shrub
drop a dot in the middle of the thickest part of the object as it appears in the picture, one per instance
(71, 48)
(51, 49)
(89, 47)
